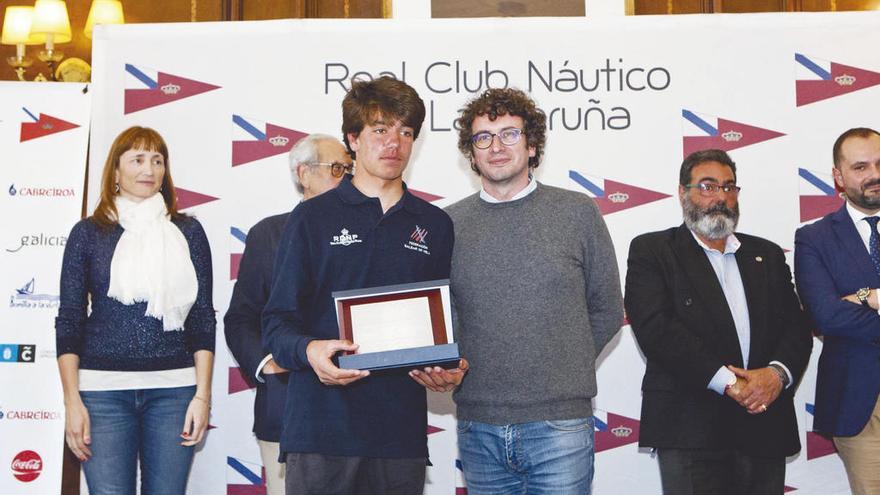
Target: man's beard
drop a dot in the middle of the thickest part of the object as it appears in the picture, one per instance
(862, 200)
(715, 222)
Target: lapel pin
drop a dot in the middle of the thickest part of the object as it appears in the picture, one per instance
(759, 259)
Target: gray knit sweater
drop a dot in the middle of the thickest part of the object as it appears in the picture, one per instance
(537, 296)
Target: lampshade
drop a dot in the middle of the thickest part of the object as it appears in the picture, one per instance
(50, 17)
(17, 26)
(104, 12)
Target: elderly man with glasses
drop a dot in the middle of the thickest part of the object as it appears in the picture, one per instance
(537, 296)
(717, 319)
(317, 164)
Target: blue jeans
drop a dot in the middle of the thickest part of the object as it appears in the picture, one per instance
(131, 424)
(543, 457)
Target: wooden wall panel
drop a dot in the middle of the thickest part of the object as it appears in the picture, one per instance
(506, 8)
(743, 6)
(661, 7)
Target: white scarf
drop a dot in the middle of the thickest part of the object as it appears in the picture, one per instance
(152, 263)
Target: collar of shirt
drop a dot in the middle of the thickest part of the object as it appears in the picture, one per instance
(731, 244)
(863, 227)
(530, 187)
(354, 196)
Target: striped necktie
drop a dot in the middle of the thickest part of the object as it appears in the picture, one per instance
(874, 242)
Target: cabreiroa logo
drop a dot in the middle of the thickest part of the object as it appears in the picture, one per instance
(27, 466)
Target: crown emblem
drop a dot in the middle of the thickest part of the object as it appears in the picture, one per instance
(618, 197)
(278, 141)
(170, 89)
(344, 231)
(621, 431)
(845, 80)
(732, 136)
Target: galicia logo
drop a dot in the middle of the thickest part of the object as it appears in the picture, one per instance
(27, 466)
(250, 143)
(235, 258)
(237, 381)
(615, 196)
(147, 88)
(17, 353)
(48, 192)
(818, 197)
(819, 80)
(41, 239)
(345, 238)
(25, 297)
(614, 431)
(188, 199)
(44, 125)
(817, 445)
(702, 132)
(244, 478)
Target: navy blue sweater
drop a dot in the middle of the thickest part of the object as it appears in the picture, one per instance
(337, 241)
(119, 337)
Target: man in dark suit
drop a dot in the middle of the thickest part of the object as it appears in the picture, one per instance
(837, 268)
(717, 319)
(317, 164)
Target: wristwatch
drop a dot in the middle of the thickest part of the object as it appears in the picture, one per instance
(863, 294)
(783, 376)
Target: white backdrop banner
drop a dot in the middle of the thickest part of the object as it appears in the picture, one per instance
(626, 98)
(44, 130)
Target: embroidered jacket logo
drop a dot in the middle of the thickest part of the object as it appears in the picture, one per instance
(417, 242)
(344, 239)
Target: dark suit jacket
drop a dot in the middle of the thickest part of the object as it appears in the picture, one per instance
(243, 323)
(684, 327)
(830, 262)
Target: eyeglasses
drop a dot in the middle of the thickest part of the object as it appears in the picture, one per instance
(508, 137)
(336, 168)
(711, 189)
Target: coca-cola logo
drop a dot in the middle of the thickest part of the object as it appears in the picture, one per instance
(27, 465)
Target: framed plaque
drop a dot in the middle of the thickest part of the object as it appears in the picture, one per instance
(397, 326)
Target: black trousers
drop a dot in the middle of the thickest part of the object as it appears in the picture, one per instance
(719, 472)
(317, 474)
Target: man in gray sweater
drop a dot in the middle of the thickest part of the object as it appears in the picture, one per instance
(537, 296)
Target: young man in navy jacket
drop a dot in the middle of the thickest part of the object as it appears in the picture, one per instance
(349, 431)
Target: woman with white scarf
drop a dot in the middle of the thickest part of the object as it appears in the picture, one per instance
(135, 327)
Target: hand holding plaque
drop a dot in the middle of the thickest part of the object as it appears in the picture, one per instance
(400, 326)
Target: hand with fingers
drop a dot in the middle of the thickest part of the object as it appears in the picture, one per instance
(196, 423)
(438, 379)
(77, 430)
(320, 354)
(762, 387)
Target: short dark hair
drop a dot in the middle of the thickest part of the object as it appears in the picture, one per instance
(862, 132)
(384, 97)
(703, 156)
(497, 102)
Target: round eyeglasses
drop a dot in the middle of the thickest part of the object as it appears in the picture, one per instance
(711, 189)
(336, 168)
(508, 137)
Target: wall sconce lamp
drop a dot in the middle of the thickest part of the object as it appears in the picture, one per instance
(104, 12)
(16, 31)
(52, 26)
